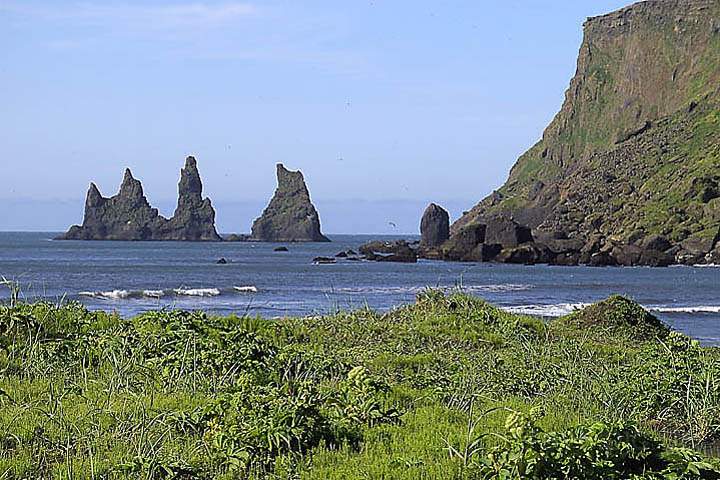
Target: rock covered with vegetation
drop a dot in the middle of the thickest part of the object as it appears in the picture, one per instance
(450, 387)
(633, 153)
(290, 216)
(129, 216)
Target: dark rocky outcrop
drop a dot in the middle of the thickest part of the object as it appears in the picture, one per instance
(129, 216)
(506, 232)
(399, 251)
(290, 216)
(237, 237)
(434, 226)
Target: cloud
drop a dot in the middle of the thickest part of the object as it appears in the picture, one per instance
(134, 16)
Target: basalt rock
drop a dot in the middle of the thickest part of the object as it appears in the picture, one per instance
(506, 232)
(462, 246)
(527, 253)
(434, 226)
(290, 216)
(129, 216)
(194, 218)
(398, 251)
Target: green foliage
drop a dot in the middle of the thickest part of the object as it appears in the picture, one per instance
(418, 392)
(597, 451)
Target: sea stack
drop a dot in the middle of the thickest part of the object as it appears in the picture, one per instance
(194, 218)
(129, 216)
(290, 216)
(434, 226)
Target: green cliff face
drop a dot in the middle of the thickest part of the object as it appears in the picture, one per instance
(636, 144)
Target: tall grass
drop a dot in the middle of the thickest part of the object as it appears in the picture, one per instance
(450, 387)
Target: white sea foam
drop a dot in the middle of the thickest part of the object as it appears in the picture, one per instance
(706, 265)
(689, 309)
(113, 294)
(503, 287)
(560, 309)
(247, 289)
(197, 292)
(493, 288)
(153, 293)
(556, 310)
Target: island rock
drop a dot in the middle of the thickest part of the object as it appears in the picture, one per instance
(290, 216)
(129, 216)
(434, 226)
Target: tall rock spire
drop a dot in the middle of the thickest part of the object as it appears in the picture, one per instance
(194, 217)
(290, 216)
(129, 216)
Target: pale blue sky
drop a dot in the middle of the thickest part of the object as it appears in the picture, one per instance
(384, 105)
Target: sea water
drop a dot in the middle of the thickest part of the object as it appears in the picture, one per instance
(132, 277)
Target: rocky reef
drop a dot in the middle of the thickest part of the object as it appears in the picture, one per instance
(129, 216)
(628, 172)
(290, 216)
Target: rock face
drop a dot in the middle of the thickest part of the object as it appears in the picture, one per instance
(434, 226)
(129, 216)
(632, 155)
(290, 216)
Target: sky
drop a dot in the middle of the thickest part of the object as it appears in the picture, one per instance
(384, 105)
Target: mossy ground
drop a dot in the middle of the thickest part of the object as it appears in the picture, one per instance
(450, 387)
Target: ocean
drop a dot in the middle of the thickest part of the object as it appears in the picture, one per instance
(132, 277)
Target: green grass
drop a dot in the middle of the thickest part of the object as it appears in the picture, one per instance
(450, 387)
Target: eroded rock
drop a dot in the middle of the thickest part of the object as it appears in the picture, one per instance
(290, 216)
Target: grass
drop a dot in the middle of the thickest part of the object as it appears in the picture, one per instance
(450, 387)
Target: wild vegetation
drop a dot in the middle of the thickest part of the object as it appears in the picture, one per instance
(450, 387)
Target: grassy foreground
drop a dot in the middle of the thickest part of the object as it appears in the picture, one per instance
(448, 388)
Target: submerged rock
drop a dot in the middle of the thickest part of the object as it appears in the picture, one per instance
(290, 216)
(324, 260)
(129, 216)
(280, 249)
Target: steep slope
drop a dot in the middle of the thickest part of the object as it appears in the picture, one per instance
(635, 148)
(636, 66)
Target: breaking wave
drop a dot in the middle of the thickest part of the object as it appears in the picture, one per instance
(197, 292)
(246, 289)
(561, 309)
(447, 288)
(690, 309)
(119, 294)
(557, 310)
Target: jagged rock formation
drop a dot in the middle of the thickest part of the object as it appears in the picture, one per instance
(434, 226)
(634, 152)
(290, 216)
(194, 217)
(129, 216)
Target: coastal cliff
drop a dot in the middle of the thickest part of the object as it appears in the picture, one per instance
(290, 216)
(129, 216)
(628, 172)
